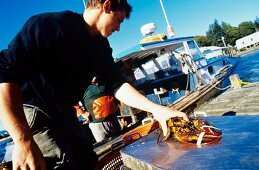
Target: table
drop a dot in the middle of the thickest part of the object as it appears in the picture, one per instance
(238, 149)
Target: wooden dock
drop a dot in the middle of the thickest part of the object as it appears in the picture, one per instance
(242, 101)
(238, 149)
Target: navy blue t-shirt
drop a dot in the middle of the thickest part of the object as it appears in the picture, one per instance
(54, 59)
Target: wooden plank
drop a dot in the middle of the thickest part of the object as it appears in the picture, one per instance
(243, 101)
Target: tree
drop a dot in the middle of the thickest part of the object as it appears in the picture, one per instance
(201, 40)
(246, 28)
(215, 33)
(256, 23)
(232, 33)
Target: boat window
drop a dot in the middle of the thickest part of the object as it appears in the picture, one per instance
(179, 49)
(194, 50)
(138, 73)
(164, 61)
(150, 67)
(211, 70)
(165, 64)
(224, 62)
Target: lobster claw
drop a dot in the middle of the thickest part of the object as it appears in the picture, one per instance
(172, 124)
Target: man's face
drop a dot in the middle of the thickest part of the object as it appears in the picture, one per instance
(111, 22)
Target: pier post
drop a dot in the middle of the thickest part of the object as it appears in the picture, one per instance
(236, 83)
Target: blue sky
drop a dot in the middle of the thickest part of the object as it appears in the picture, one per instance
(188, 17)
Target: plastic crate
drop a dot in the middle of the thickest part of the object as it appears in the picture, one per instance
(112, 160)
(140, 131)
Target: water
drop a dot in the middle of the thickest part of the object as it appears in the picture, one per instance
(247, 69)
(2, 132)
(2, 152)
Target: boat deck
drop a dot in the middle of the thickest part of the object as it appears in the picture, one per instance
(242, 101)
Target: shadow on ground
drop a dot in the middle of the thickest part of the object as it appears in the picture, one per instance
(230, 113)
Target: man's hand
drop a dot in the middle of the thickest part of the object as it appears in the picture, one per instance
(163, 113)
(130, 96)
(27, 155)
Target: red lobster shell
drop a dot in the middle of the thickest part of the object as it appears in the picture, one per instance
(196, 131)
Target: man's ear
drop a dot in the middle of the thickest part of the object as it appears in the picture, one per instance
(107, 6)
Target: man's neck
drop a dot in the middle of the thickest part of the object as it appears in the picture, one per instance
(91, 18)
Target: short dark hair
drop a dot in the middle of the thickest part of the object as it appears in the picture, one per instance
(116, 5)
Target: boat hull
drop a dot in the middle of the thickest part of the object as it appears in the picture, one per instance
(205, 93)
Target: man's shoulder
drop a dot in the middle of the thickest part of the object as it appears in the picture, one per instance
(55, 21)
(63, 15)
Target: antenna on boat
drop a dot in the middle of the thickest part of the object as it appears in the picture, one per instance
(84, 2)
(169, 27)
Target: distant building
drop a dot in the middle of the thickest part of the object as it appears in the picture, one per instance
(249, 41)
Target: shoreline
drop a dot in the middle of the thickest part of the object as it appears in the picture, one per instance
(240, 53)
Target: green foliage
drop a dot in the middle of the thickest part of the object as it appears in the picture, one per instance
(256, 23)
(231, 34)
(215, 33)
(246, 28)
(202, 41)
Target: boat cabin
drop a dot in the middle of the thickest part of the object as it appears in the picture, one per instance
(163, 70)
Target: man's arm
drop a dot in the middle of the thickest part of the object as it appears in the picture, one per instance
(131, 97)
(26, 151)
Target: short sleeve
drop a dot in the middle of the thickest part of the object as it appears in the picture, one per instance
(110, 72)
(22, 57)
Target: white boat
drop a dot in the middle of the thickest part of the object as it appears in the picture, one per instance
(5, 140)
(174, 72)
(211, 51)
(4, 137)
(171, 72)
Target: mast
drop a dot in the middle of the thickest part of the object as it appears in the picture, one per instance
(169, 27)
(84, 2)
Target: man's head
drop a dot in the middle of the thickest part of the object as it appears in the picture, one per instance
(109, 15)
(115, 5)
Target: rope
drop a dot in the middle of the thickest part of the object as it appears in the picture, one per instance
(193, 67)
(214, 86)
(187, 84)
(199, 76)
(195, 70)
(240, 82)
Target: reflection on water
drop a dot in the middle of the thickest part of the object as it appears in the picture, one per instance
(2, 152)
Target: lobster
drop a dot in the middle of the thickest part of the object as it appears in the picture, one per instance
(195, 131)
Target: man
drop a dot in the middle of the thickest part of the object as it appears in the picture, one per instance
(102, 108)
(43, 74)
